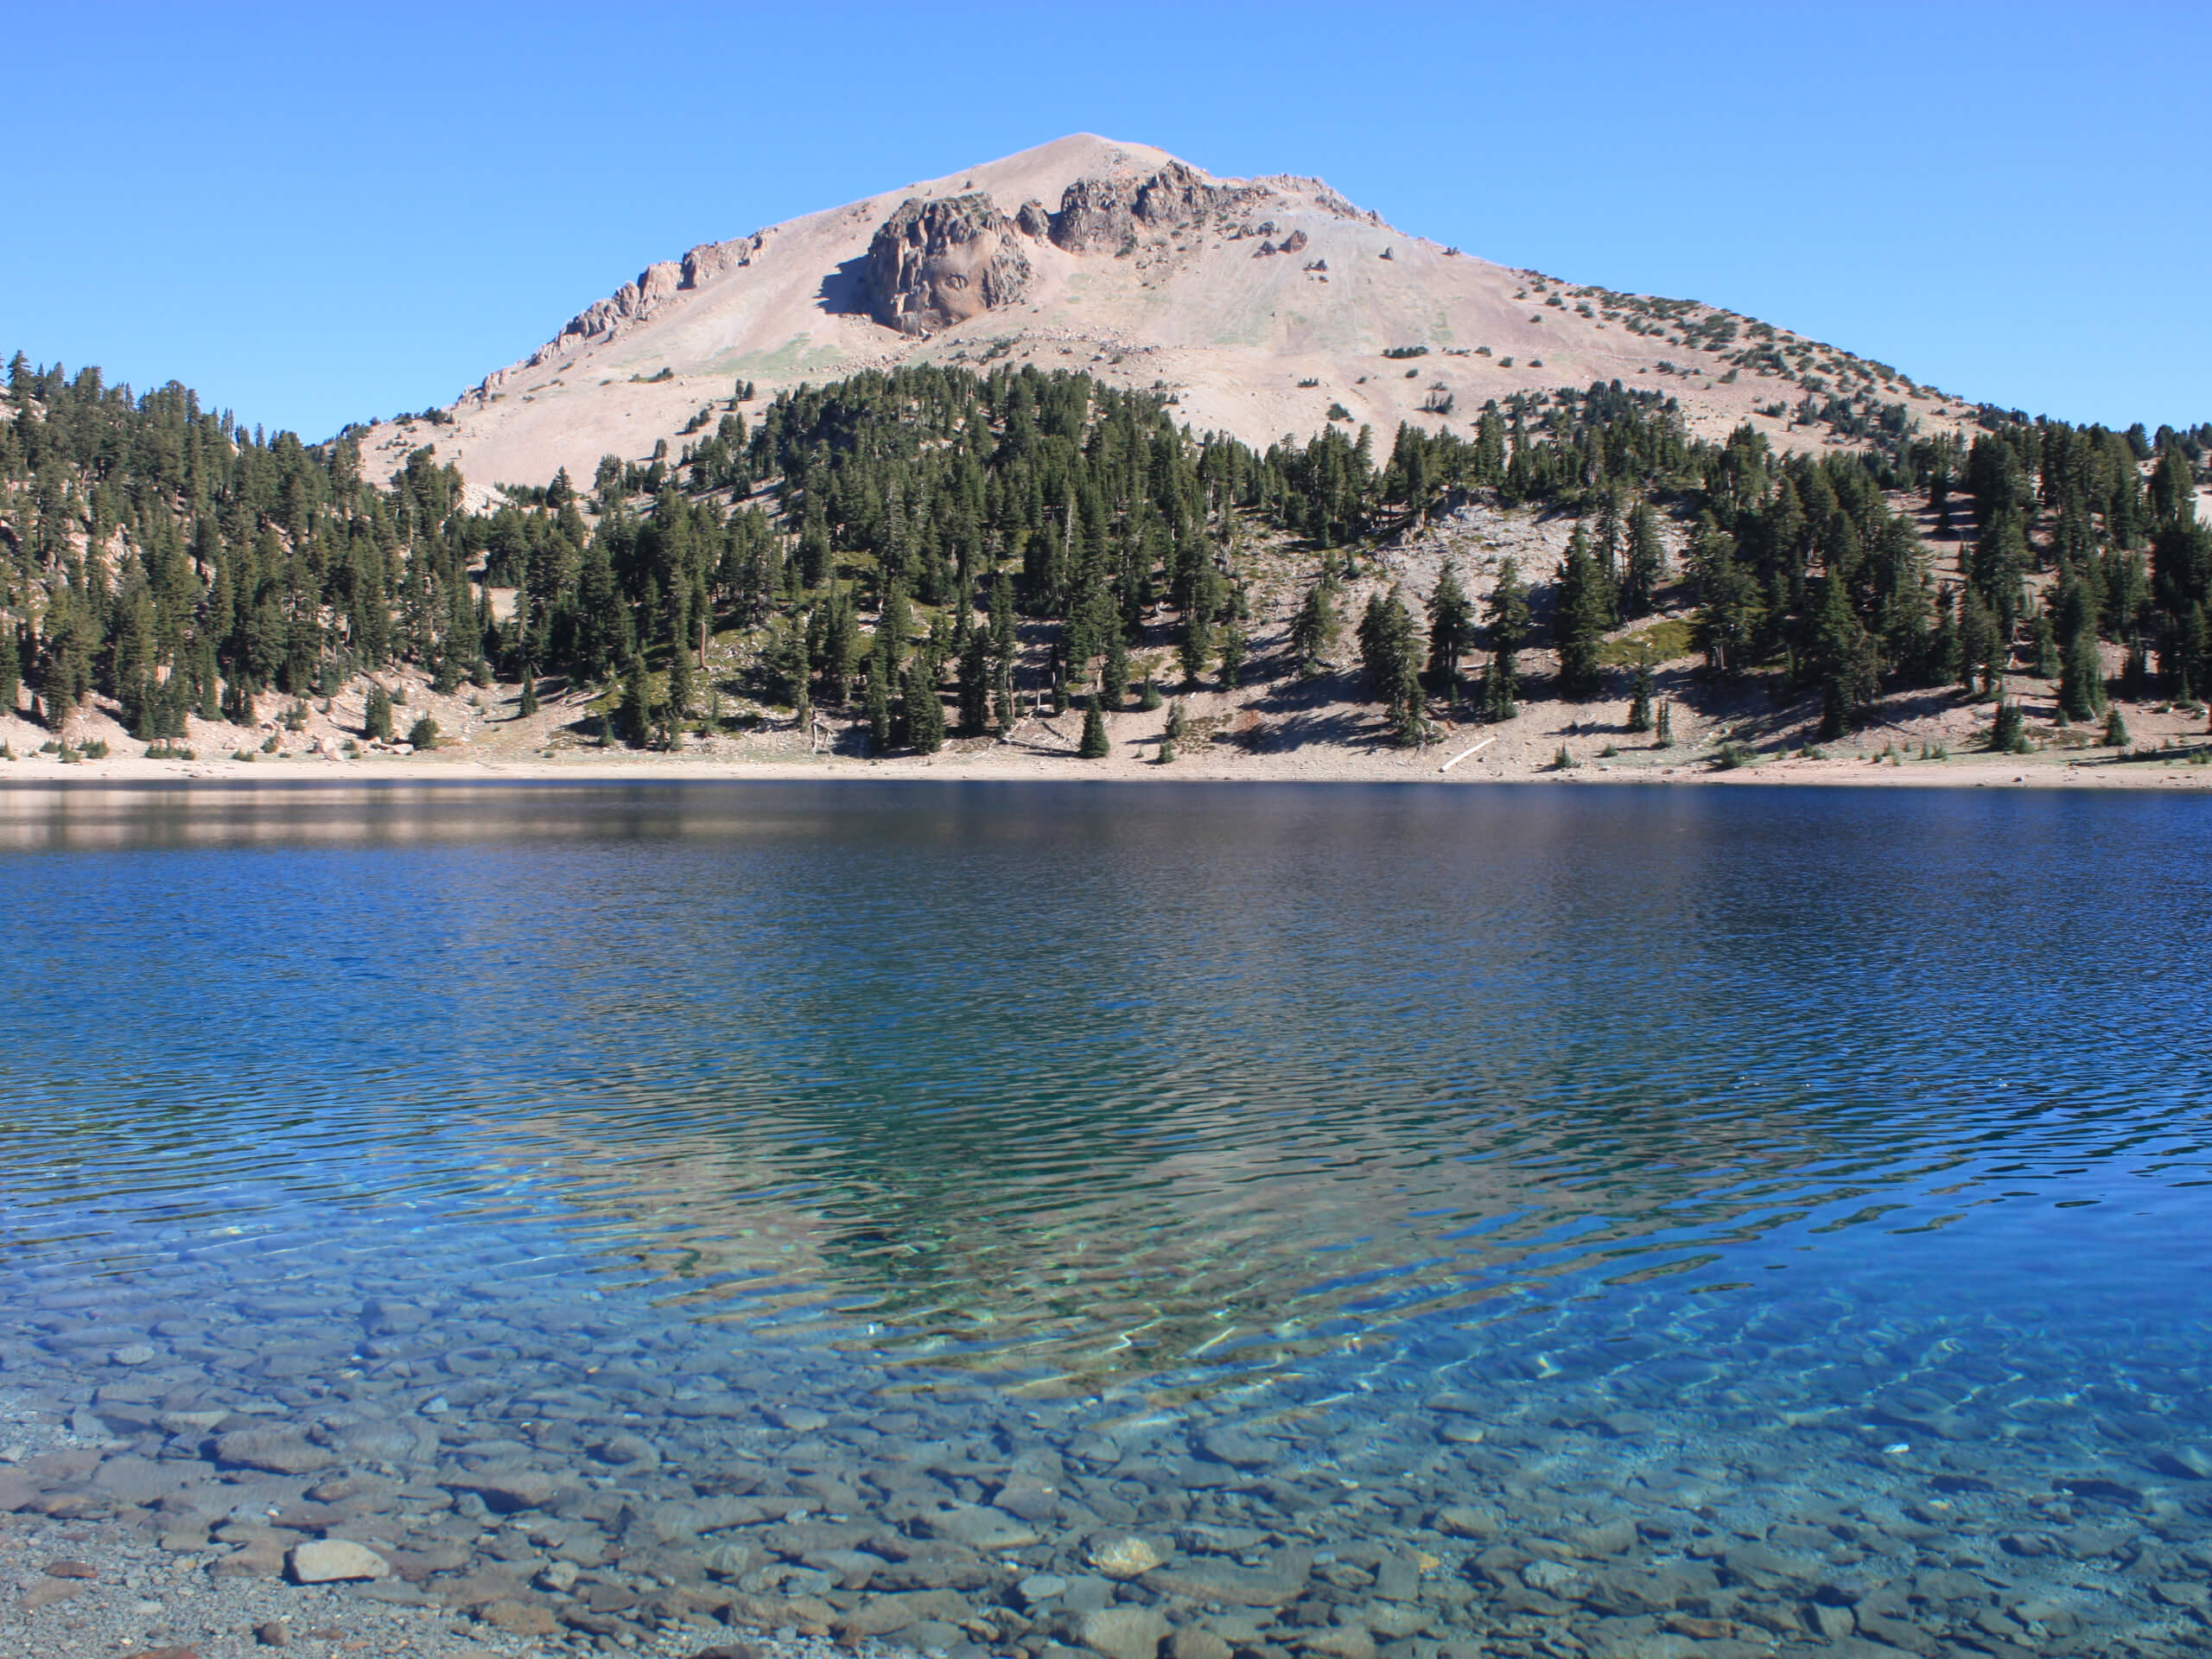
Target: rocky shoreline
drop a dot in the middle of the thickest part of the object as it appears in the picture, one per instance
(95, 1583)
(529, 1473)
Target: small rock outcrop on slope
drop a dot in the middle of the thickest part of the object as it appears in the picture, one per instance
(1101, 215)
(943, 260)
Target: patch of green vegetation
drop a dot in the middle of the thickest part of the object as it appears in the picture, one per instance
(792, 357)
(1662, 642)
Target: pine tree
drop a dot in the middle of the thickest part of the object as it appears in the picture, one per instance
(1583, 611)
(2008, 732)
(375, 718)
(1639, 706)
(2115, 736)
(1231, 653)
(1195, 649)
(2081, 675)
(1451, 631)
(1390, 652)
(1317, 625)
(879, 703)
(1095, 746)
(2043, 637)
(1113, 669)
(1506, 617)
(1664, 738)
(1979, 650)
(637, 712)
(924, 713)
(1646, 564)
(679, 684)
(1172, 735)
(1841, 660)
(1727, 622)
(974, 681)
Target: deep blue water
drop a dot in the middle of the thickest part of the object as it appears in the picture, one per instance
(1865, 1120)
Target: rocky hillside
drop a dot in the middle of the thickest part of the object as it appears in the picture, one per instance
(1262, 306)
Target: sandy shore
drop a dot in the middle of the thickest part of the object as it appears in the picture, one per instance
(1008, 763)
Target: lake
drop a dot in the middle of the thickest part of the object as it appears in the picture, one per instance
(1008, 1218)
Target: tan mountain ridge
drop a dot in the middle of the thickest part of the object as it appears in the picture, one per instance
(1264, 306)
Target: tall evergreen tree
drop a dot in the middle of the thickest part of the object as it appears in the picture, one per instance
(974, 683)
(1317, 625)
(1390, 650)
(1639, 706)
(1582, 612)
(1095, 745)
(1450, 629)
(1506, 617)
(924, 713)
(1646, 564)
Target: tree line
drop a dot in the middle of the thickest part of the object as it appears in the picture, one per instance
(904, 540)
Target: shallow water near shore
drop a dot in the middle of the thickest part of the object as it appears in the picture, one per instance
(1331, 1221)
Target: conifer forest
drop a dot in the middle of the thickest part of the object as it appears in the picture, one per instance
(909, 557)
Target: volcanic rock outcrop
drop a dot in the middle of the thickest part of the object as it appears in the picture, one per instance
(1102, 215)
(943, 260)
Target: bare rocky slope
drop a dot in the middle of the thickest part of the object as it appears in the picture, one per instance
(1261, 305)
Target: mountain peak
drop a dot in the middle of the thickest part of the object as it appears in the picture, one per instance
(1265, 306)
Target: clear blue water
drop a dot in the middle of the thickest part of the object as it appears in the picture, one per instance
(1733, 1159)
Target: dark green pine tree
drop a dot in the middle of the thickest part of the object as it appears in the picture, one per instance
(1113, 669)
(680, 694)
(2042, 633)
(1646, 565)
(878, 705)
(1505, 617)
(2008, 731)
(2080, 670)
(375, 716)
(527, 705)
(1389, 650)
(1095, 745)
(1840, 655)
(840, 649)
(636, 716)
(1195, 649)
(924, 715)
(1639, 704)
(1232, 651)
(1451, 631)
(974, 683)
(1317, 625)
(1583, 611)
(1979, 652)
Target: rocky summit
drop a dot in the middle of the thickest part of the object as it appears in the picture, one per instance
(1262, 307)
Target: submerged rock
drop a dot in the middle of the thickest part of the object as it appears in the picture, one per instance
(1125, 1632)
(336, 1560)
(1127, 1556)
(281, 1451)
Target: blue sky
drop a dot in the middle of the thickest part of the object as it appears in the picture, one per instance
(313, 219)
